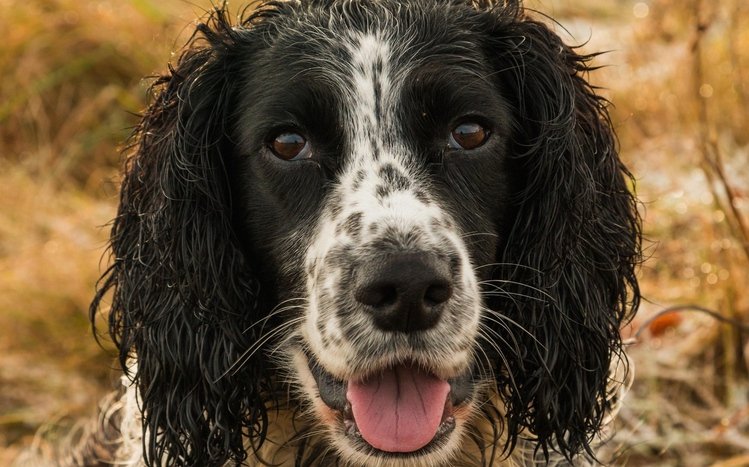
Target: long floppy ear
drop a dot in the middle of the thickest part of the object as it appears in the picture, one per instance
(569, 261)
(183, 296)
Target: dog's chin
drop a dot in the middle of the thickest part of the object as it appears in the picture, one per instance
(396, 414)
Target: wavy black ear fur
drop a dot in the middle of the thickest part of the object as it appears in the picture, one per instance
(183, 295)
(570, 259)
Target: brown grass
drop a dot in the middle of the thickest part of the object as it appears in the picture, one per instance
(71, 78)
(70, 82)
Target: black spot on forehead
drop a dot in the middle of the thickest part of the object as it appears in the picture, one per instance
(377, 70)
(393, 178)
(422, 196)
(377, 97)
(378, 65)
(340, 257)
(382, 191)
(335, 203)
(360, 174)
(372, 146)
(353, 224)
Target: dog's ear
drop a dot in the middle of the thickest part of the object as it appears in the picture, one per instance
(184, 299)
(570, 256)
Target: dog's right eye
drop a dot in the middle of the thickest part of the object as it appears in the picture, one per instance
(289, 146)
(469, 135)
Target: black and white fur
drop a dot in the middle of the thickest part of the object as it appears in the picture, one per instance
(247, 290)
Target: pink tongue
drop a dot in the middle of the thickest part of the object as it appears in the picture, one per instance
(400, 409)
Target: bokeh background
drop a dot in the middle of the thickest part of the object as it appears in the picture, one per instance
(71, 86)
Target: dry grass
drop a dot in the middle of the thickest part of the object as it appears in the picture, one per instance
(681, 111)
(71, 79)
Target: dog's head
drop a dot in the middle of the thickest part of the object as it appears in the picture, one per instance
(416, 207)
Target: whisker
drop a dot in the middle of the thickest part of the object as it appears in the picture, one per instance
(515, 347)
(478, 234)
(515, 265)
(264, 338)
(501, 355)
(486, 372)
(281, 344)
(277, 310)
(506, 281)
(505, 293)
(506, 319)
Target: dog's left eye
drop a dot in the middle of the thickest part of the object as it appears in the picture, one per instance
(469, 135)
(289, 146)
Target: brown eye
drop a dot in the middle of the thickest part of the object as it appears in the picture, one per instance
(288, 146)
(468, 135)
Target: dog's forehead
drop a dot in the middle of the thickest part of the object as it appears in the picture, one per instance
(366, 74)
(344, 42)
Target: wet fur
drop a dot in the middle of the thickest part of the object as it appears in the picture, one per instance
(198, 275)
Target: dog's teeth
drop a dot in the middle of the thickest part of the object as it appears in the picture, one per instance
(447, 425)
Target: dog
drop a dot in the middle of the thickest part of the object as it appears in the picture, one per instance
(370, 233)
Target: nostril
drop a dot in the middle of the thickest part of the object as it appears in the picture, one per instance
(377, 295)
(404, 292)
(437, 293)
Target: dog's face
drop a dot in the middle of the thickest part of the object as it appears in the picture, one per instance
(414, 212)
(376, 163)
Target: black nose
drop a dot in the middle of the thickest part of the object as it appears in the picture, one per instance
(404, 292)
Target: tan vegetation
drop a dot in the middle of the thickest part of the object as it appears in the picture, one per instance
(678, 73)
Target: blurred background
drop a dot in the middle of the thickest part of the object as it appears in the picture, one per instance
(71, 86)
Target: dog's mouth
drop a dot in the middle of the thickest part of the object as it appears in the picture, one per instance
(397, 410)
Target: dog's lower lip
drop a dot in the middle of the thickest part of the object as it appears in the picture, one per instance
(332, 390)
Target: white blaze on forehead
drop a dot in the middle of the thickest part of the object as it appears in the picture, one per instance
(371, 112)
(370, 105)
(370, 64)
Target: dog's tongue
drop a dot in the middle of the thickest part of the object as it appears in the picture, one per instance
(400, 409)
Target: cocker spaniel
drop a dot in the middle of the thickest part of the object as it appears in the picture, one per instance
(370, 233)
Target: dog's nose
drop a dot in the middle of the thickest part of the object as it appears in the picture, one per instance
(405, 292)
